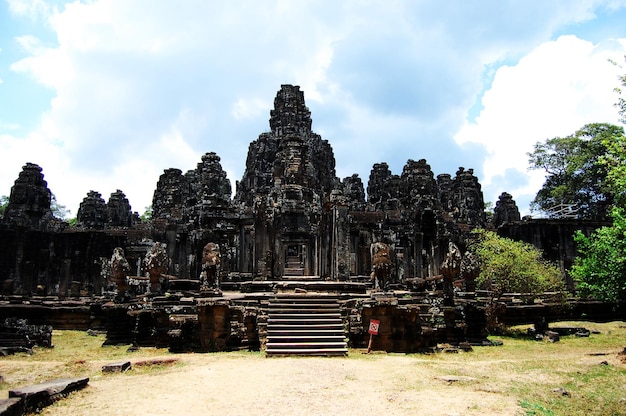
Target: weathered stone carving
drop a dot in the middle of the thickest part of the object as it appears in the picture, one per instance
(381, 264)
(210, 276)
(354, 192)
(470, 269)
(156, 263)
(505, 211)
(451, 270)
(93, 211)
(119, 271)
(170, 196)
(119, 210)
(30, 199)
(382, 187)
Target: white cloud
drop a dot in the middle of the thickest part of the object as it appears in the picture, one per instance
(553, 91)
(249, 108)
(33, 9)
(141, 86)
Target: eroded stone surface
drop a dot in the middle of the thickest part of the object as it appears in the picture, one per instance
(93, 211)
(505, 211)
(40, 395)
(29, 202)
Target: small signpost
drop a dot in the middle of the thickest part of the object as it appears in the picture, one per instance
(373, 330)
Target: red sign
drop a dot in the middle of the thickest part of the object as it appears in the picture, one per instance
(374, 324)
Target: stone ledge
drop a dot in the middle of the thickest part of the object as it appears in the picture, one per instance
(38, 396)
(118, 367)
(11, 407)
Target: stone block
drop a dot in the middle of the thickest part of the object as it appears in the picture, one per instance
(38, 396)
(11, 407)
(118, 367)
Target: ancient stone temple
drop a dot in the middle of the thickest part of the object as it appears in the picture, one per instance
(292, 216)
(210, 270)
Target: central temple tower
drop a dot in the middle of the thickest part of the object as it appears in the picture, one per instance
(290, 172)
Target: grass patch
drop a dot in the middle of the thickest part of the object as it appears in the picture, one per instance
(75, 354)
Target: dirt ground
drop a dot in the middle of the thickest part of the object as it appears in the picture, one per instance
(250, 384)
(520, 377)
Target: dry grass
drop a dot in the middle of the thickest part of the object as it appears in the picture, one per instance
(524, 375)
(75, 354)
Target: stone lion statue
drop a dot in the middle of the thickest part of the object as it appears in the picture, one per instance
(155, 264)
(209, 277)
(451, 270)
(381, 264)
(119, 270)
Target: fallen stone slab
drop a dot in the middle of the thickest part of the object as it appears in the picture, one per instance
(11, 407)
(40, 395)
(118, 367)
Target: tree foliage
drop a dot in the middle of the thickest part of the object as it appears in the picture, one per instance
(577, 170)
(614, 161)
(147, 214)
(512, 266)
(58, 210)
(4, 201)
(600, 268)
(621, 102)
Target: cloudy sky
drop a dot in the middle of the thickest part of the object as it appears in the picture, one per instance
(106, 94)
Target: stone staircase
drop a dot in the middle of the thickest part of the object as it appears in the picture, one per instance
(294, 267)
(305, 324)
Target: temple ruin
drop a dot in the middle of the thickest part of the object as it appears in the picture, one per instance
(292, 229)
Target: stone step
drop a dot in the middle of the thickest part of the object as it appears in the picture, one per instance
(293, 271)
(295, 308)
(298, 339)
(304, 345)
(302, 277)
(305, 324)
(304, 315)
(303, 321)
(309, 303)
(277, 332)
(281, 326)
(328, 352)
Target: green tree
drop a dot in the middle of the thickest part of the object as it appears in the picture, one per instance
(615, 163)
(147, 214)
(4, 201)
(621, 102)
(577, 170)
(599, 270)
(600, 267)
(512, 266)
(58, 210)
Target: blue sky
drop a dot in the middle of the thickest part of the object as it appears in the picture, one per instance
(106, 94)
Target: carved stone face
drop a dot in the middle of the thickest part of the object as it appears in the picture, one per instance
(211, 254)
(380, 254)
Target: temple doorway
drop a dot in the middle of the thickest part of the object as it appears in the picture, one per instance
(296, 259)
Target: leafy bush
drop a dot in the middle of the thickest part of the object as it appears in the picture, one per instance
(512, 266)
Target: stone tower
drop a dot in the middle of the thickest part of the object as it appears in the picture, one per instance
(289, 172)
(30, 199)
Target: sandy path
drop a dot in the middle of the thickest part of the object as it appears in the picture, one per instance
(219, 384)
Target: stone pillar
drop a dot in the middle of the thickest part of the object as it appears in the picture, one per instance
(214, 324)
(65, 277)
